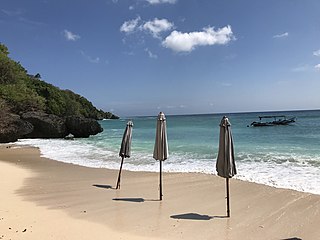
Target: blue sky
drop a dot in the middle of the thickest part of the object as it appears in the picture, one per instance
(139, 57)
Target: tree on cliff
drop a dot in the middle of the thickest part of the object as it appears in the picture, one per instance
(21, 92)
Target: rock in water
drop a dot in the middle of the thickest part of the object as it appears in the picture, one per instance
(69, 137)
(82, 127)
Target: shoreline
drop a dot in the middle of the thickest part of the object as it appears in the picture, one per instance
(155, 172)
(193, 205)
(284, 170)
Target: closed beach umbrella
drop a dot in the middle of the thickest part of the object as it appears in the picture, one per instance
(160, 151)
(125, 149)
(225, 165)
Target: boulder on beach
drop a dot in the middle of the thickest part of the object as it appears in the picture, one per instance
(42, 125)
(45, 125)
(12, 127)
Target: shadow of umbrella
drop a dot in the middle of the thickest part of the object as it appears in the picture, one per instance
(192, 216)
(103, 186)
(294, 238)
(137, 200)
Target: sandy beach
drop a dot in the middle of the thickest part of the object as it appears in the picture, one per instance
(45, 199)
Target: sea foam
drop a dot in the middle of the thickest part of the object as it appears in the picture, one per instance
(280, 171)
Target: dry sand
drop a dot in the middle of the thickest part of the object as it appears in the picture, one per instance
(46, 199)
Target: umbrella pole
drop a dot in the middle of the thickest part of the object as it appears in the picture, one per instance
(160, 180)
(119, 175)
(228, 202)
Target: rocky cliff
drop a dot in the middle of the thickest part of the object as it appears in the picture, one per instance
(33, 108)
(43, 125)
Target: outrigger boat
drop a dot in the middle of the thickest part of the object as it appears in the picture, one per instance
(277, 120)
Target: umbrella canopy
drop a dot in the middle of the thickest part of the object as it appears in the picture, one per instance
(125, 149)
(160, 151)
(225, 165)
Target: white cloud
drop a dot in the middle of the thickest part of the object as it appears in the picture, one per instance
(28, 21)
(157, 26)
(317, 67)
(186, 42)
(131, 7)
(171, 107)
(12, 13)
(129, 53)
(153, 2)
(226, 84)
(70, 36)
(151, 55)
(130, 26)
(282, 35)
(317, 53)
(94, 60)
(301, 68)
(18, 14)
(90, 59)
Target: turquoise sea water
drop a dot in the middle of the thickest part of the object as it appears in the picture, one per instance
(279, 156)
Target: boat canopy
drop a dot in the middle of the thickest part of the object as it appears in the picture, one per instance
(277, 116)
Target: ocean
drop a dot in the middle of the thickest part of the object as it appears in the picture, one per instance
(279, 156)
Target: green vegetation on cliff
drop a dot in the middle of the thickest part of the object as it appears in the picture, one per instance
(21, 92)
